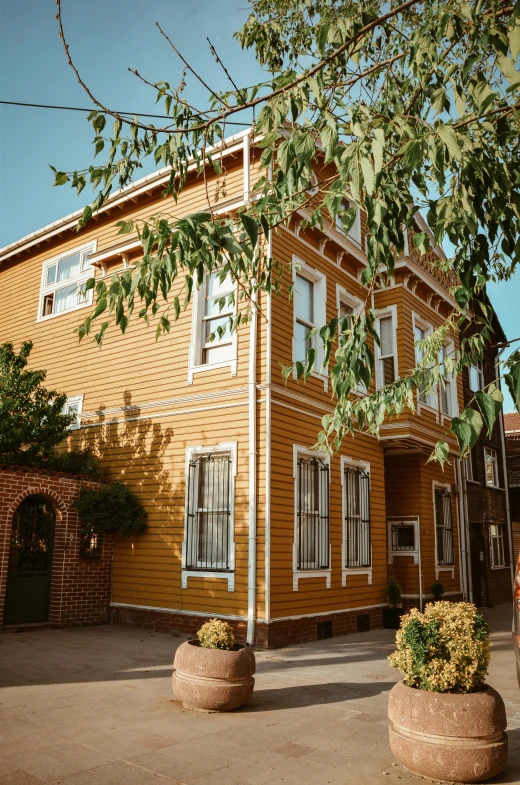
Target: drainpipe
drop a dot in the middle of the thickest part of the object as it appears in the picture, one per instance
(506, 484)
(420, 566)
(247, 169)
(267, 594)
(463, 534)
(251, 570)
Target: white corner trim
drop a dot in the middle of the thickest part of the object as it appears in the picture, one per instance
(229, 576)
(302, 574)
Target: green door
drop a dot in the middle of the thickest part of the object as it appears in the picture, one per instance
(30, 562)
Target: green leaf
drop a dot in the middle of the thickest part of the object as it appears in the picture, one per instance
(368, 175)
(449, 137)
(512, 380)
(467, 428)
(251, 227)
(514, 40)
(377, 149)
(507, 67)
(490, 405)
(440, 453)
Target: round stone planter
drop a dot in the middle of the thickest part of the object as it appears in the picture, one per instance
(443, 736)
(213, 679)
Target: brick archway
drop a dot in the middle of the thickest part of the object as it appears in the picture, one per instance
(80, 589)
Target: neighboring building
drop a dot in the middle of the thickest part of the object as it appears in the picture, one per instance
(512, 435)
(244, 522)
(487, 552)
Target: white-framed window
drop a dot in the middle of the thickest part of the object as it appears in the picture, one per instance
(421, 331)
(491, 467)
(403, 537)
(348, 306)
(63, 282)
(213, 343)
(311, 550)
(356, 545)
(476, 377)
(74, 405)
(354, 233)
(314, 185)
(386, 352)
(467, 465)
(208, 549)
(309, 296)
(496, 545)
(447, 387)
(444, 548)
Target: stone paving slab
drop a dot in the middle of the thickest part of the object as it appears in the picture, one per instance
(94, 706)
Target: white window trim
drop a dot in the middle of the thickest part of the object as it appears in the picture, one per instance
(432, 402)
(452, 379)
(441, 567)
(479, 366)
(320, 313)
(497, 566)
(354, 233)
(195, 364)
(74, 399)
(298, 575)
(347, 461)
(381, 314)
(192, 453)
(464, 463)
(82, 278)
(343, 296)
(495, 468)
(409, 519)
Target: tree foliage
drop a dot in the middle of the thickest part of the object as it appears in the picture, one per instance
(112, 508)
(412, 107)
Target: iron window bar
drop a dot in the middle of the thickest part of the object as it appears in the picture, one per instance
(209, 513)
(444, 527)
(313, 514)
(403, 536)
(357, 518)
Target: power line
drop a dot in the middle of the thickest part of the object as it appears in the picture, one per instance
(81, 109)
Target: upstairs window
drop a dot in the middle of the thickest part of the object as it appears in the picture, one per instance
(354, 233)
(447, 391)
(218, 309)
(467, 464)
(476, 377)
(496, 545)
(491, 467)
(312, 514)
(309, 298)
(74, 406)
(63, 284)
(386, 371)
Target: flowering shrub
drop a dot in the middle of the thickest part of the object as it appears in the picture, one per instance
(443, 649)
(216, 634)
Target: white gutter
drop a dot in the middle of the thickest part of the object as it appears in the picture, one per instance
(506, 484)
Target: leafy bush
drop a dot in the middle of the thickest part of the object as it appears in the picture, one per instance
(216, 634)
(437, 590)
(444, 649)
(393, 592)
(113, 509)
(73, 462)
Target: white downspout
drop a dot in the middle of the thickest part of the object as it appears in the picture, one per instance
(463, 546)
(420, 566)
(251, 570)
(506, 484)
(268, 449)
(247, 168)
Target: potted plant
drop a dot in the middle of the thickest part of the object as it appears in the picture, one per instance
(445, 722)
(392, 614)
(437, 590)
(213, 673)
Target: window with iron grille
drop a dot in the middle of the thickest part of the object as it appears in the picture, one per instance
(209, 517)
(312, 514)
(356, 487)
(90, 546)
(403, 536)
(496, 545)
(443, 527)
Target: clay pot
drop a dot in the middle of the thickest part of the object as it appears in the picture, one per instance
(443, 736)
(213, 679)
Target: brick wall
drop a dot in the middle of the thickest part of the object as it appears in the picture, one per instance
(80, 588)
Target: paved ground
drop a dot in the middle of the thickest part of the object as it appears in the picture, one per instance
(94, 706)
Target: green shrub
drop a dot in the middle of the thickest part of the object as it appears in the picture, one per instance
(73, 462)
(216, 634)
(113, 509)
(444, 649)
(393, 592)
(437, 589)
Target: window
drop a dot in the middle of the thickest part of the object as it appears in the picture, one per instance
(215, 320)
(356, 532)
(63, 284)
(496, 545)
(309, 312)
(312, 514)
(208, 537)
(443, 527)
(74, 406)
(447, 385)
(403, 536)
(420, 333)
(354, 233)
(90, 546)
(491, 466)
(386, 351)
(467, 465)
(476, 377)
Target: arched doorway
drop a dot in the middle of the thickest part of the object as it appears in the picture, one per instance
(30, 562)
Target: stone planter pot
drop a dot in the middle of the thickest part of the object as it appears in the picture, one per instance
(213, 679)
(443, 736)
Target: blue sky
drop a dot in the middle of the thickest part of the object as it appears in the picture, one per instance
(105, 39)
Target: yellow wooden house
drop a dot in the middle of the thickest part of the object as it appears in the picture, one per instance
(245, 522)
